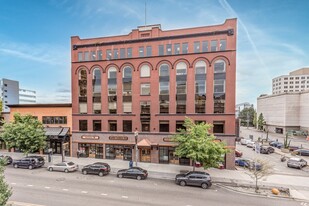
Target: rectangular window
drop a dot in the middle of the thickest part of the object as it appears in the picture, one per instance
(112, 125)
(83, 125)
(96, 125)
(181, 87)
(222, 45)
(213, 45)
(122, 53)
(100, 55)
(145, 89)
(93, 56)
(164, 126)
(145, 108)
(145, 126)
(205, 46)
(219, 86)
(129, 52)
(169, 49)
(80, 56)
(86, 56)
(141, 51)
(179, 125)
(218, 127)
(127, 126)
(164, 106)
(115, 53)
(177, 48)
(161, 50)
(108, 54)
(127, 107)
(185, 48)
(181, 107)
(196, 47)
(148, 51)
(164, 87)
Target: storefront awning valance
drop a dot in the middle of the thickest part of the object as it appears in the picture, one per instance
(145, 143)
(64, 131)
(56, 131)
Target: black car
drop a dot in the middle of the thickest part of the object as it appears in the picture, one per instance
(201, 179)
(7, 159)
(29, 162)
(266, 150)
(133, 172)
(98, 168)
(302, 152)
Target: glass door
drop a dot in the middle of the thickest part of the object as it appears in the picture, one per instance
(145, 155)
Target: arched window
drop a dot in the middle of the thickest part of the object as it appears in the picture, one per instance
(112, 90)
(219, 86)
(200, 87)
(181, 68)
(219, 66)
(164, 88)
(164, 70)
(127, 90)
(181, 87)
(82, 83)
(145, 71)
(127, 72)
(96, 85)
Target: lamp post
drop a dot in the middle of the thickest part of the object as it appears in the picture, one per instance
(136, 149)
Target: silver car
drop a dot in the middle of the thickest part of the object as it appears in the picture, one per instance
(296, 162)
(63, 167)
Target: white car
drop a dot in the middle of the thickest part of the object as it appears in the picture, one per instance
(63, 167)
(251, 144)
(296, 162)
(244, 141)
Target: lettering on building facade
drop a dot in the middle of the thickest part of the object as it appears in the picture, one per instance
(90, 137)
(118, 138)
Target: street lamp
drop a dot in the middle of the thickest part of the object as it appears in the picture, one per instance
(136, 150)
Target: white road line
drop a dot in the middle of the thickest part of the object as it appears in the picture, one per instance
(65, 189)
(13, 183)
(125, 197)
(103, 194)
(22, 204)
(85, 192)
(30, 185)
(47, 187)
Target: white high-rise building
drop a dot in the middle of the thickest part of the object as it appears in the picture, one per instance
(27, 96)
(296, 81)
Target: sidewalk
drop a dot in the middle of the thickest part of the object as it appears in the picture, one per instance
(300, 186)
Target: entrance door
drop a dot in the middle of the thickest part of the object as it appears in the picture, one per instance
(145, 154)
(99, 152)
(173, 159)
(127, 153)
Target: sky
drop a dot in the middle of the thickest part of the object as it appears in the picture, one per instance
(273, 37)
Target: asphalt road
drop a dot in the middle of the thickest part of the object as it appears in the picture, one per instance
(41, 187)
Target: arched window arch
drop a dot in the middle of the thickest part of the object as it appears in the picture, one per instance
(200, 87)
(219, 66)
(164, 70)
(112, 90)
(127, 72)
(145, 71)
(219, 86)
(112, 73)
(181, 68)
(82, 84)
(200, 67)
(181, 87)
(164, 88)
(96, 87)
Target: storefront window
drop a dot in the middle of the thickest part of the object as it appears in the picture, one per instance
(122, 152)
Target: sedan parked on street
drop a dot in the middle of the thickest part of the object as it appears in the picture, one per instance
(250, 144)
(201, 179)
(296, 163)
(266, 150)
(8, 160)
(98, 168)
(133, 172)
(279, 145)
(248, 163)
(63, 167)
(302, 152)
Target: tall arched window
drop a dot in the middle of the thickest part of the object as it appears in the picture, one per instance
(164, 88)
(82, 84)
(127, 90)
(181, 87)
(96, 87)
(219, 86)
(112, 90)
(200, 87)
(145, 71)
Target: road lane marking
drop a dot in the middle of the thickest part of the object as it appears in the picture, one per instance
(103, 194)
(30, 185)
(47, 187)
(22, 204)
(13, 183)
(125, 197)
(84, 192)
(65, 189)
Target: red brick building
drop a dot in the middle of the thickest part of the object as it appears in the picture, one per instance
(150, 80)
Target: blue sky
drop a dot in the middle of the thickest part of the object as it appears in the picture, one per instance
(273, 37)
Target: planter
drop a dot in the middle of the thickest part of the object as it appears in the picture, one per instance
(285, 150)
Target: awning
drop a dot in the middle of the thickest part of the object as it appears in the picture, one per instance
(56, 131)
(64, 131)
(144, 143)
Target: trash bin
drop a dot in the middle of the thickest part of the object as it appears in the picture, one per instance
(251, 137)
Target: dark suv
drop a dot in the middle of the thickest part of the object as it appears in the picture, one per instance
(201, 179)
(29, 162)
(98, 168)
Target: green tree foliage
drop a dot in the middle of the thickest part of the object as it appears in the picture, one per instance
(255, 120)
(0, 105)
(5, 190)
(25, 133)
(261, 122)
(195, 142)
(247, 114)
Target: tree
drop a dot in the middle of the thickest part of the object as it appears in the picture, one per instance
(255, 121)
(195, 142)
(25, 133)
(265, 170)
(261, 121)
(247, 116)
(1, 105)
(5, 190)
(286, 142)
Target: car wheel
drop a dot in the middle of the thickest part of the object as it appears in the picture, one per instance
(182, 183)
(205, 185)
(30, 167)
(138, 177)
(120, 176)
(66, 170)
(50, 169)
(101, 174)
(268, 152)
(15, 166)
(84, 172)
(236, 163)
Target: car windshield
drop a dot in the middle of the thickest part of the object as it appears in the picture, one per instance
(70, 163)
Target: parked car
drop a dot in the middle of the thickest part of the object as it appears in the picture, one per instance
(251, 144)
(133, 172)
(293, 148)
(238, 153)
(296, 162)
(98, 168)
(248, 163)
(302, 152)
(266, 150)
(201, 179)
(7, 159)
(63, 167)
(29, 162)
(245, 141)
(277, 144)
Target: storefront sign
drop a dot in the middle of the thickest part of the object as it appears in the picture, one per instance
(168, 139)
(90, 137)
(118, 138)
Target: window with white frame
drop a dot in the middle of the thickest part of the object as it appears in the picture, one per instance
(145, 71)
(145, 89)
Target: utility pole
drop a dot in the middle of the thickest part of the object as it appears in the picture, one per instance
(136, 150)
(247, 119)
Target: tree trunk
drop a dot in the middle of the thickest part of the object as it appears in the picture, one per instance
(193, 165)
(256, 185)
